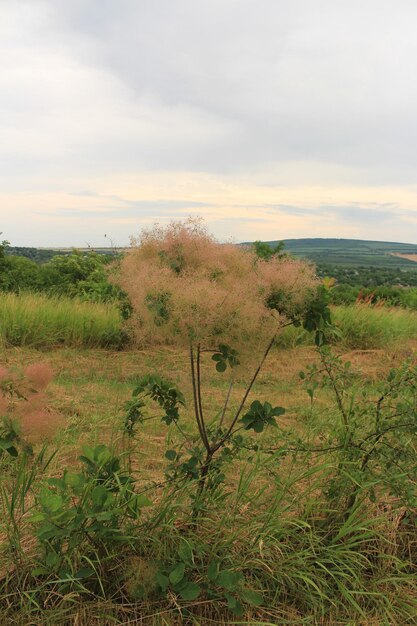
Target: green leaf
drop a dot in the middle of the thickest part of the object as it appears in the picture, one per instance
(213, 570)
(104, 516)
(185, 552)
(228, 580)
(84, 572)
(50, 501)
(39, 571)
(177, 573)
(171, 455)
(52, 559)
(191, 591)
(99, 495)
(258, 426)
(5, 443)
(56, 482)
(162, 580)
(221, 366)
(142, 500)
(309, 324)
(75, 481)
(251, 597)
(238, 610)
(319, 338)
(231, 600)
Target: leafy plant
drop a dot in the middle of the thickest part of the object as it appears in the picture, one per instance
(9, 438)
(203, 293)
(79, 517)
(189, 578)
(261, 415)
(374, 438)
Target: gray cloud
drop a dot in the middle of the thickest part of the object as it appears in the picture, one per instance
(130, 208)
(364, 214)
(293, 93)
(222, 86)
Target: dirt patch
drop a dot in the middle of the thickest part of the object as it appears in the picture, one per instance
(409, 257)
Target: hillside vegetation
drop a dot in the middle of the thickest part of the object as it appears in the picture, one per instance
(352, 252)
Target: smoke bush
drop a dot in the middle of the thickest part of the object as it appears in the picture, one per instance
(184, 286)
(23, 398)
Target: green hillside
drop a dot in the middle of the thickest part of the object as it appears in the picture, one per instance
(346, 252)
(356, 252)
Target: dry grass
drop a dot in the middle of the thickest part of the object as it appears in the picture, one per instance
(88, 390)
(83, 404)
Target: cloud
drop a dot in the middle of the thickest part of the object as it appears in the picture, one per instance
(217, 87)
(364, 214)
(230, 93)
(130, 208)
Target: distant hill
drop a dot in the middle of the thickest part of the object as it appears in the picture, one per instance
(42, 255)
(342, 252)
(353, 252)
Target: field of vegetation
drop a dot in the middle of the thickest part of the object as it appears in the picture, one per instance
(353, 252)
(210, 442)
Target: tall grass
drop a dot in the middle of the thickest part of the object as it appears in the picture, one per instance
(39, 321)
(352, 570)
(360, 327)
(366, 327)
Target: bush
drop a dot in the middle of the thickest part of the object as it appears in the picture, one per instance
(184, 286)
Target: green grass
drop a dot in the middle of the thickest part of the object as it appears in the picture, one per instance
(361, 327)
(42, 322)
(352, 252)
(364, 327)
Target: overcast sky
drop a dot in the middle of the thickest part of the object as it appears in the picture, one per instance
(271, 119)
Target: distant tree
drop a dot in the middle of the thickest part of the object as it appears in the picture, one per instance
(3, 246)
(266, 251)
(18, 274)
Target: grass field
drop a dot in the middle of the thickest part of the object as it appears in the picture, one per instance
(270, 528)
(353, 252)
(39, 321)
(274, 542)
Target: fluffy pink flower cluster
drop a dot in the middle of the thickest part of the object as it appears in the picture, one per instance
(184, 286)
(23, 398)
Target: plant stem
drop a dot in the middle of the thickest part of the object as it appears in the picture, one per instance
(200, 423)
(226, 404)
